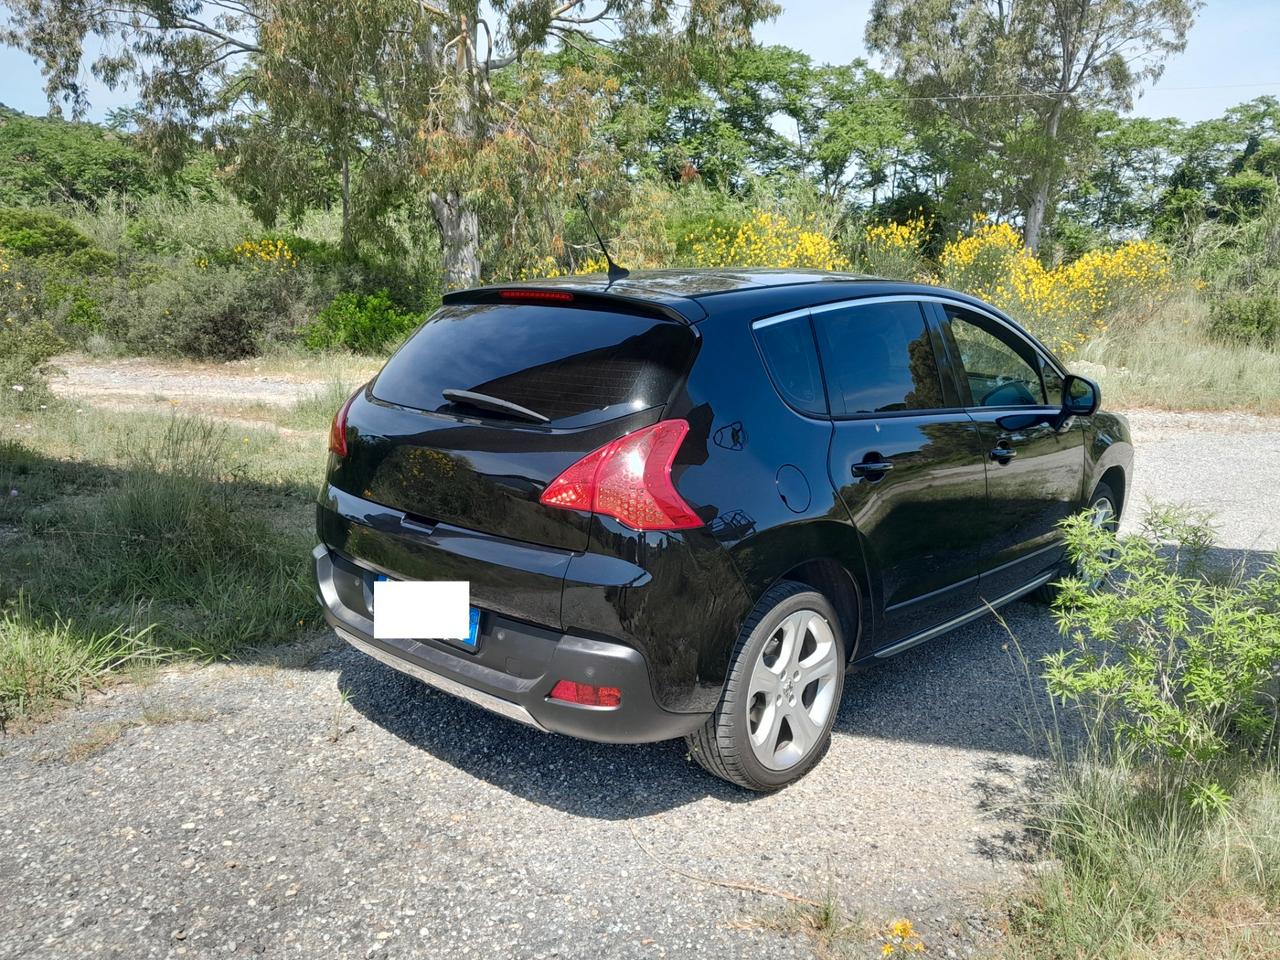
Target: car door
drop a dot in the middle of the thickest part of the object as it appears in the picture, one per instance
(906, 461)
(1034, 458)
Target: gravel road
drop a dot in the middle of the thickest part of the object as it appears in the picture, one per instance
(342, 810)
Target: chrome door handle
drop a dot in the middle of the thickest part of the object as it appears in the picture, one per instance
(871, 468)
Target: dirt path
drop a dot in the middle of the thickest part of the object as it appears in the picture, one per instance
(343, 810)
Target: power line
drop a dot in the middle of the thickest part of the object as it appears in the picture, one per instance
(1031, 95)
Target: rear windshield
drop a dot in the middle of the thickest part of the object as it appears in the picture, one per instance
(570, 365)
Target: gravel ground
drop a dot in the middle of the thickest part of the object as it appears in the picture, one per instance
(342, 810)
(136, 378)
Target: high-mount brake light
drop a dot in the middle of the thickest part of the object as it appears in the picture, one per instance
(536, 296)
(629, 479)
(338, 428)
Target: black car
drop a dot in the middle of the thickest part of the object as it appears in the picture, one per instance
(687, 502)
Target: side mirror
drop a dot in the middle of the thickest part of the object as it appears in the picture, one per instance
(1081, 397)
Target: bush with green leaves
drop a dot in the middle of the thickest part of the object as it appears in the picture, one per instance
(365, 324)
(39, 233)
(1246, 317)
(27, 340)
(1174, 659)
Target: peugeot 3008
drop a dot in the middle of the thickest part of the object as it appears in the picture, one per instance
(687, 503)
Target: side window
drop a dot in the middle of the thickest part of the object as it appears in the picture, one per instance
(1001, 369)
(792, 361)
(879, 357)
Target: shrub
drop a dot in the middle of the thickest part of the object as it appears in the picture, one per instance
(1068, 304)
(38, 233)
(1246, 318)
(1172, 662)
(27, 342)
(768, 240)
(365, 324)
(193, 312)
(894, 249)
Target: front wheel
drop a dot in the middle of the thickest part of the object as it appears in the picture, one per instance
(779, 704)
(1103, 511)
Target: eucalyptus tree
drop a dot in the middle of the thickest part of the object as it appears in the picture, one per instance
(429, 95)
(1018, 76)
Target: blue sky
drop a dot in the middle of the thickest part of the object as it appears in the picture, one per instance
(1232, 49)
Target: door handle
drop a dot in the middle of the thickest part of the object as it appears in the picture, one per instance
(872, 469)
(1003, 454)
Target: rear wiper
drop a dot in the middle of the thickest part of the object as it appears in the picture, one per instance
(485, 402)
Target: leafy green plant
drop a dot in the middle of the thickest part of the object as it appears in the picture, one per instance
(1252, 317)
(365, 324)
(39, 233)
(1175, 661)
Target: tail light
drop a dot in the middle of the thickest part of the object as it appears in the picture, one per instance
(629, 479)
(586, 694)
(338, 429)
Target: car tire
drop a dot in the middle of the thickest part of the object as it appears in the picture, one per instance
(1105, 508)
(790, 651)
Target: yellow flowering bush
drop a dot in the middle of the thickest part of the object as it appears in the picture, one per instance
(548, 268)
(274, 253)
(1063, 305)
(768, 240)
(894, 250)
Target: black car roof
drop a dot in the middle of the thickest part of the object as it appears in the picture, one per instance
(695, 294)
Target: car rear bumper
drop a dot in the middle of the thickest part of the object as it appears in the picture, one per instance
(513, 670)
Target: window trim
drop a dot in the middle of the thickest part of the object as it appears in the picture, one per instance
(935, 321)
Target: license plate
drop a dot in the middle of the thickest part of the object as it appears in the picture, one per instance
(424, 610)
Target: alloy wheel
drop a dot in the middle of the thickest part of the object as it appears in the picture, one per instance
(792, 690)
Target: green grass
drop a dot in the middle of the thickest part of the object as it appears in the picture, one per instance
(1137, 874)
(137, 537)
(1171, 362)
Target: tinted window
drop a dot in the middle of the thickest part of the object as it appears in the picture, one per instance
(1001, 369)
(570, 365)
(878, 358)
(792, 359)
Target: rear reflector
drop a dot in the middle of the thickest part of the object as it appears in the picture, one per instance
(629, 479)
(338, 428)
(536, 296)
(586, 694)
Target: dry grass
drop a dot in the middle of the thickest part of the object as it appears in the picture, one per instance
(1169, 362)
(154, 714)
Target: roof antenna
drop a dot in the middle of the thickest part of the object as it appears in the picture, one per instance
(615, 272)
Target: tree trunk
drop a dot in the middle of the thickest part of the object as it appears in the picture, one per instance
(460, 239)
(1042, 181)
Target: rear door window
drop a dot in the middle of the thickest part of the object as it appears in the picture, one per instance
(879, 358)
(572, 365)
(792, 360)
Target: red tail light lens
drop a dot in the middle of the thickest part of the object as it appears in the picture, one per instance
(586, 694)
(629, 479)
(536, 296)
(338, 429)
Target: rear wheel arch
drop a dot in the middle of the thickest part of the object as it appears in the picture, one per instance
(831, 579)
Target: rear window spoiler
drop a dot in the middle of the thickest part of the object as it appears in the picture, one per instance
(686, 311)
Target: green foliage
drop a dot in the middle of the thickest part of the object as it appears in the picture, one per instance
(1176, 659)
(44, 160)
(1247, 317)
(365, 324)
(39, 233)
(1242, 196)
(27, 340)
